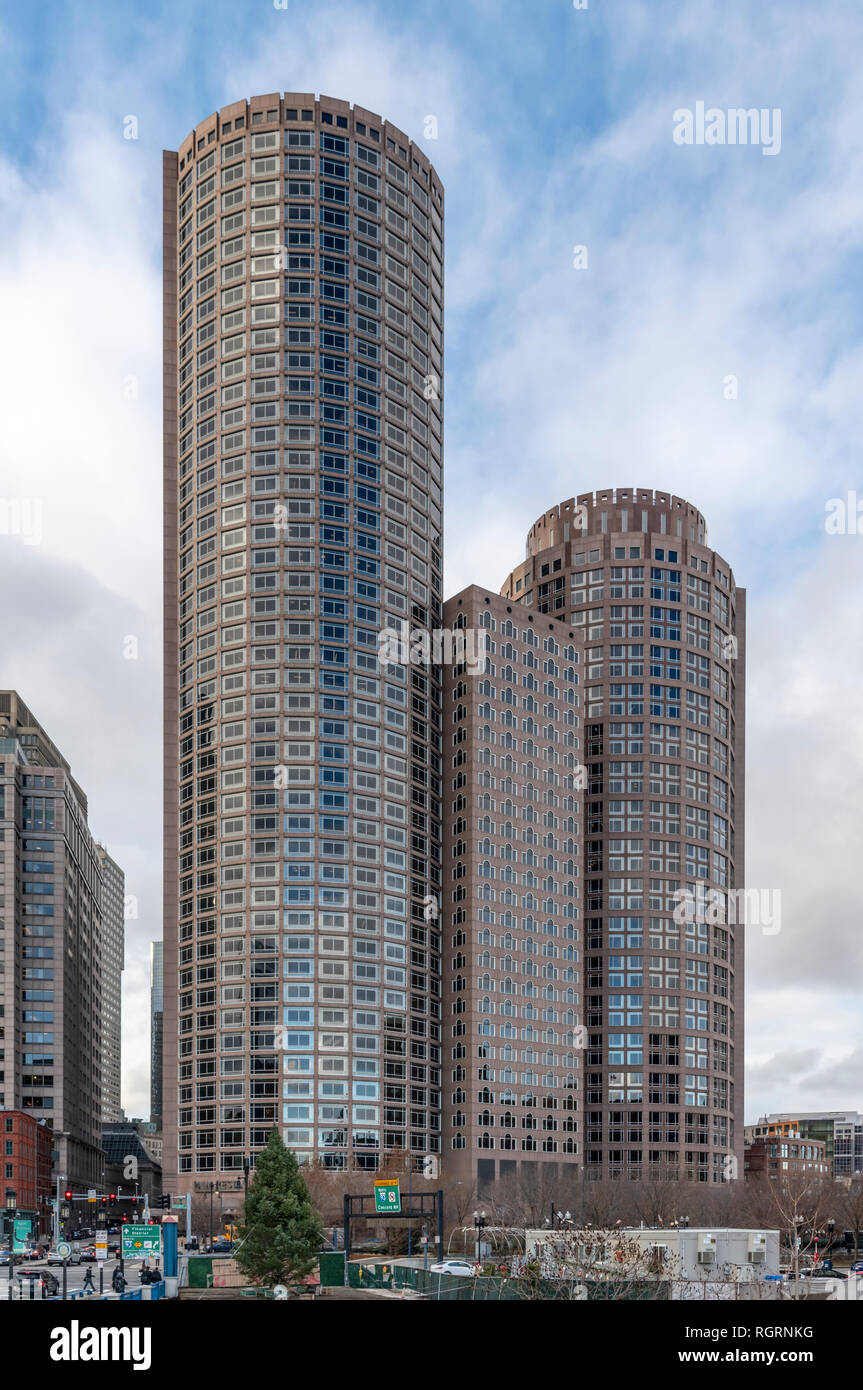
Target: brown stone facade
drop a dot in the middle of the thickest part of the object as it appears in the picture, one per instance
(303, 365)
(511, 896)
(662, 625)
(785, 1156)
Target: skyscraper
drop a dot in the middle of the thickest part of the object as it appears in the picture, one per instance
(511, 899)
(50, 945)
(663, 627)
(113, 960)
(157, 1005)
(303, 317)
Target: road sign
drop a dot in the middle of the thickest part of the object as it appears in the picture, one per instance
(141, 1242)
(101, 1245)
(387, 1196)
(64, 1249)
(21, 1234)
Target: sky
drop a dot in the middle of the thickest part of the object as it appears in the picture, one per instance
(621, 310)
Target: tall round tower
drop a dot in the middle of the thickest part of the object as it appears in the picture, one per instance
(663, 627)
(303, 313)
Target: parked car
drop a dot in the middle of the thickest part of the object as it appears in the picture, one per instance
(857, 1267)
(220, 1247)
(55, 1259)
(459, 1267)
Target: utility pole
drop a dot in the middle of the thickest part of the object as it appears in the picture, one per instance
(61, 1177)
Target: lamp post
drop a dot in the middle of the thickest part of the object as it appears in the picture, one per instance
(11, 1208)
(57, 1134)
(479, 1222)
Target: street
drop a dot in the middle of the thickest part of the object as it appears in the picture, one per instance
(75, 1274)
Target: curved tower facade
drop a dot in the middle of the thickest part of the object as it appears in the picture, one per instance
(663, 630)
(303, 311)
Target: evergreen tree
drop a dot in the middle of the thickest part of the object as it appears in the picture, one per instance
(283, 1234)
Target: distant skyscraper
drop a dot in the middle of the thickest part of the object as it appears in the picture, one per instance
(156, 1013)
(303, 313)
(113, 961)
(663, 627)
(51, 944)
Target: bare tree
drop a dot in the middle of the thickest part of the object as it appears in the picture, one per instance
(802, 1202)
(849, 1207)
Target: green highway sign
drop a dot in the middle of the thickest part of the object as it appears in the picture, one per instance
(139, 1242)
(387, 1195)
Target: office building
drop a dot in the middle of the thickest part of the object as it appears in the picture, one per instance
(113, 961)
(511, 893)
(784, 1154)
(840, 1131)
(662, 625)
(51, 945)
(157, 956)
(303, 341)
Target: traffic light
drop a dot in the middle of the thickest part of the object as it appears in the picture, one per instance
(112, 1197)
(67, 1196)
(165, 1201)
(104, 1201)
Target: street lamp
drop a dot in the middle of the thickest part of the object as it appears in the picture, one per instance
(11, 1208)
(479, 1221)
(60, 1177)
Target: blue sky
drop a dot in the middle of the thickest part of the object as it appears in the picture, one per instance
(704, 262)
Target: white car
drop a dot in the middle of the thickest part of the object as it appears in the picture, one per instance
(55, 1259)
(462, 1267)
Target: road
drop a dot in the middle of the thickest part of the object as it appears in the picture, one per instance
(74, 1277)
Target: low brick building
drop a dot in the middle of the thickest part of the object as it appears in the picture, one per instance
(27, 1147)
(788, 1154)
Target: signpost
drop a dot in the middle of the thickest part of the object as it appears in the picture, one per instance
(140, 1242)
(387, 1196)
(64, 1250)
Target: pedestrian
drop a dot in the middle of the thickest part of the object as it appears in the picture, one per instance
(118, 1280)
(156, 1274)
(88, 1286)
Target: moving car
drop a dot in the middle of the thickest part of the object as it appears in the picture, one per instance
(55, 1259)
(460, 1267)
